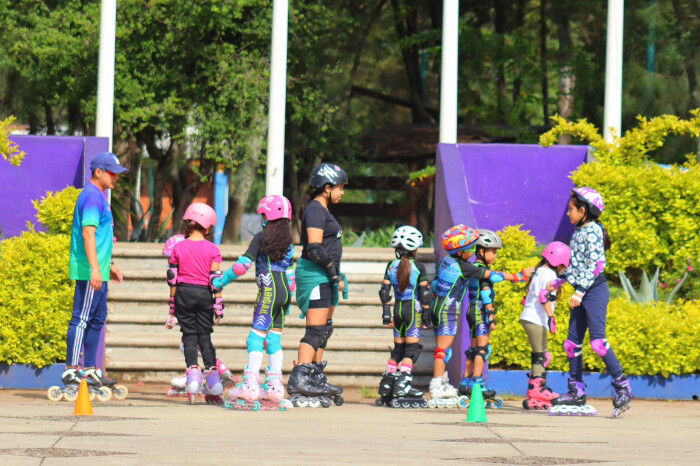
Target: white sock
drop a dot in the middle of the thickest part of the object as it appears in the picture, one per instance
(276, 360)
(255, 360)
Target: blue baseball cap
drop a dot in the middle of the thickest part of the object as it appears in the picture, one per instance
(107, 161)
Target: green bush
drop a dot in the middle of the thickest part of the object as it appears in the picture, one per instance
(648, 339)
(35, 298)
(55, 210)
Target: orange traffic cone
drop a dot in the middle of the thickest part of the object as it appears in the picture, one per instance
(83, 405)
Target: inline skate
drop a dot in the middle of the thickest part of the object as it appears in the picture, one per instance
(118, 390)
(244, 396)
(305, 391)
(71, 383)
(403, 395)
(193, 385)
(444, 395)
(212, 388)
(623, 395)
(490, 398)
(321, 379)
(539, 395)
(272, 392)
(572, 403)
(227, 378)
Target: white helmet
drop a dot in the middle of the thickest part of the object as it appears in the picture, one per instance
(488, 239)
(407, 237)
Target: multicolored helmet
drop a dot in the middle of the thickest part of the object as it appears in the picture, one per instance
(459, 238)
(407, 237)
(201, 213)
(488, 239)
(557, 253)
(327, 173)
(591, 197)
(170, 244)
(275, 207)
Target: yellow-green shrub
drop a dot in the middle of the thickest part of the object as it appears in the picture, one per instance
(649, 339)
(36, 298)
(651, 213)
(55, 210)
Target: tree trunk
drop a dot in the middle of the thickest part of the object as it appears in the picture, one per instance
(499, 21)
(50, 120)
(518, 82)
(686, 23)
(543, 61)
(567, 79)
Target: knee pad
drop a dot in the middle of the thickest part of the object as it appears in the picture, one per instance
(440, 353)
(274, 342)
(600, 346)
(398, 352)
(329, 332)
(482, 352)
(314, 335)
(412, 351)
(470, 353)
(547, 359)
(255, 341)
(539, 358)
(572, 349)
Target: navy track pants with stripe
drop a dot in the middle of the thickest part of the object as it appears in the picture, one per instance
(89, 315)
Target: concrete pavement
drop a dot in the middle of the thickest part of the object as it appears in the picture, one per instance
(148, 428)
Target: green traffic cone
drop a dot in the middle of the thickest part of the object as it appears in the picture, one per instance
(477, 409)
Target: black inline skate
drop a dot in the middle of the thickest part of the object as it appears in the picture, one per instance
(403, 395)
(321, 379)
(623, 395)
(303, 389)
(71, 379)
(117, 390)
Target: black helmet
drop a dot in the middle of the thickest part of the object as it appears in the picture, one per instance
(327, 173)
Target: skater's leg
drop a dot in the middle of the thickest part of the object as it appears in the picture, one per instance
(274, 349)
(573, 345)
(537, 336)
(443, 343)
(82, 304)
(481, 354)
(189, 343)
(207, 349)
(411, 353)
(256, 344)
(595, 302)
(98, 315)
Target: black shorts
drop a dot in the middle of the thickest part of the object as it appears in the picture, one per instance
(321, 297)
(193, 309)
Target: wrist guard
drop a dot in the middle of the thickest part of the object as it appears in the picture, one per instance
(218, 307)
(386, 314)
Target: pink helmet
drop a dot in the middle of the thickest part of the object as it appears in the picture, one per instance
(591, 197)
(557, 253)
(170, 244)
(275, 207)
(200, 213)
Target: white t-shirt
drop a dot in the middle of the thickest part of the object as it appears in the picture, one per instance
(534, 310)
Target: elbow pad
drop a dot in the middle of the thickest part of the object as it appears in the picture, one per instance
(214, 280)
(544, 296)
(172, 274)
(425, 295)
(318, 254)
(486, 296)
(239, 268)
(385, 293)
(496, 277)
(435, 285)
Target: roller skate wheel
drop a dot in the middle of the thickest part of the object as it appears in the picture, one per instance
(120, 392)
(432, 403)
(256, 406)
(326, 403)
(498, 402)
(103, 394)
(191, 398)
(424, 404)
(395, 403)
(227, 404)
(378, 402)
(463, 402)
(72, 395)
(301, 403)
(339, 400)
(314, 403)
(54, 393)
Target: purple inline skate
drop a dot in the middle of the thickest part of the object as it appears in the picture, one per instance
(623, 395)
(213, 389)
(194, 383)
(572, 403)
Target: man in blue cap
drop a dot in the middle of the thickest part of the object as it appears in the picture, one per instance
(91, 266)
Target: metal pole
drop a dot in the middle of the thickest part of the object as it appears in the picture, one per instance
(613, 69)
(104, 126)
(448, 77)
(274, 180)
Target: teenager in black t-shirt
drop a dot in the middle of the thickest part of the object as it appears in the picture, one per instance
(319, 281)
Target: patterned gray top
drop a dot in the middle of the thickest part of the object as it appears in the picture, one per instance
(587, 256)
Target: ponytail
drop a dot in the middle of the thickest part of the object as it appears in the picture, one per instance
(403, 275)
(606, 238)
(532, 277)
(578, 203)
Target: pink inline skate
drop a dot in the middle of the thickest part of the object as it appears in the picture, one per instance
(245, 395)
(539, 395)
(272, 392)
(227, 378)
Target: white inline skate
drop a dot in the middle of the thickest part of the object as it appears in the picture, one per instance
(444, 395)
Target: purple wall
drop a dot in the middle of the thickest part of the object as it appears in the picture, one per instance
(51, 164)
(496, 185)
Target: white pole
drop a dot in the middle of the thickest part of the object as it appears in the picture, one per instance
(613, 69)
(449, 65)
(104, 126)
(274, 181)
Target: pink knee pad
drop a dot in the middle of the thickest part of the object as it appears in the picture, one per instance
(572, 349)
(547, 359)
(600, 346)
